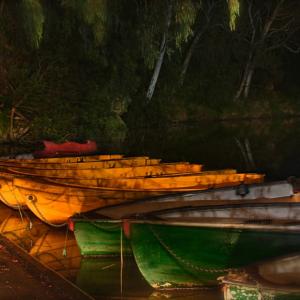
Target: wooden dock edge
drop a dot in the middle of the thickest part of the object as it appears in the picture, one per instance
(58, 283)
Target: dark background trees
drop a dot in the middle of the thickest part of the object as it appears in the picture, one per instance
(89, 69)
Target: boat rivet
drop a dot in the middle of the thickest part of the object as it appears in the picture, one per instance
(31, 198)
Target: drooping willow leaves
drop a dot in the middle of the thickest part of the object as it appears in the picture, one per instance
(33, 21)
(94, 13)
(185, 16)
(234, 12)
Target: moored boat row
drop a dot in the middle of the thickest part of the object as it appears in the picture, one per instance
(54, 195)
(185, 227)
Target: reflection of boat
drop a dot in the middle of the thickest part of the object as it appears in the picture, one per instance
(52, 149)
(172, 254)
(58, 251)
(100, 237)
(4, 212)
(121, 172)
(22, 231)
(106, 276)
(277, 279)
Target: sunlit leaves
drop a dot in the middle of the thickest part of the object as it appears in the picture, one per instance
(234, 11)
(185, 16)
(152, 26)
(93, 13)
(33, 21)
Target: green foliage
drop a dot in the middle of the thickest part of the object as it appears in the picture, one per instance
(185, 17)
(90, 59)
(93, 13)
(33, 21)
(149, 31)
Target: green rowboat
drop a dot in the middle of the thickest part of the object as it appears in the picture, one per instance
(100, 237)
(276, 279)
(174, 254)
(233, 291)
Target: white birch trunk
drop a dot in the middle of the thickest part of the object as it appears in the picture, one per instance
(163, 47)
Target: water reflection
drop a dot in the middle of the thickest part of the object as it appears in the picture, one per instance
(58, 250)
(22, 229)
(105, 277)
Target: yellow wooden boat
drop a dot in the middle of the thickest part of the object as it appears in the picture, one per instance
(58, 252)
(55, 202)
(124, 172)
(175, 182)
(113, 163)
(9, 194)
(69, 159)
(22, 231)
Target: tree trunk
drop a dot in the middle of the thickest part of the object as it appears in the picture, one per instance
(189, 54)
(162, 51)
(255, 51)
(248, 81)
(248, 69)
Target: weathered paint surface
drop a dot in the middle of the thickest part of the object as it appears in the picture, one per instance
(101, 238)
(183, 256)
(236, 292)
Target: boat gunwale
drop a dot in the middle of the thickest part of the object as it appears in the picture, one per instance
(79, 157)
(18, 170)
(31, 165)
(263, 203)
(213, 224)
(175, 191)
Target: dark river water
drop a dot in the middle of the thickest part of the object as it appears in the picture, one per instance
(271, 147)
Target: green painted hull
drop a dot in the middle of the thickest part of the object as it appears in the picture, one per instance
(187, 256)
(100, 238)
(239, 292)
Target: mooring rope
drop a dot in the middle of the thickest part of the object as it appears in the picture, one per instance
(121, 258)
